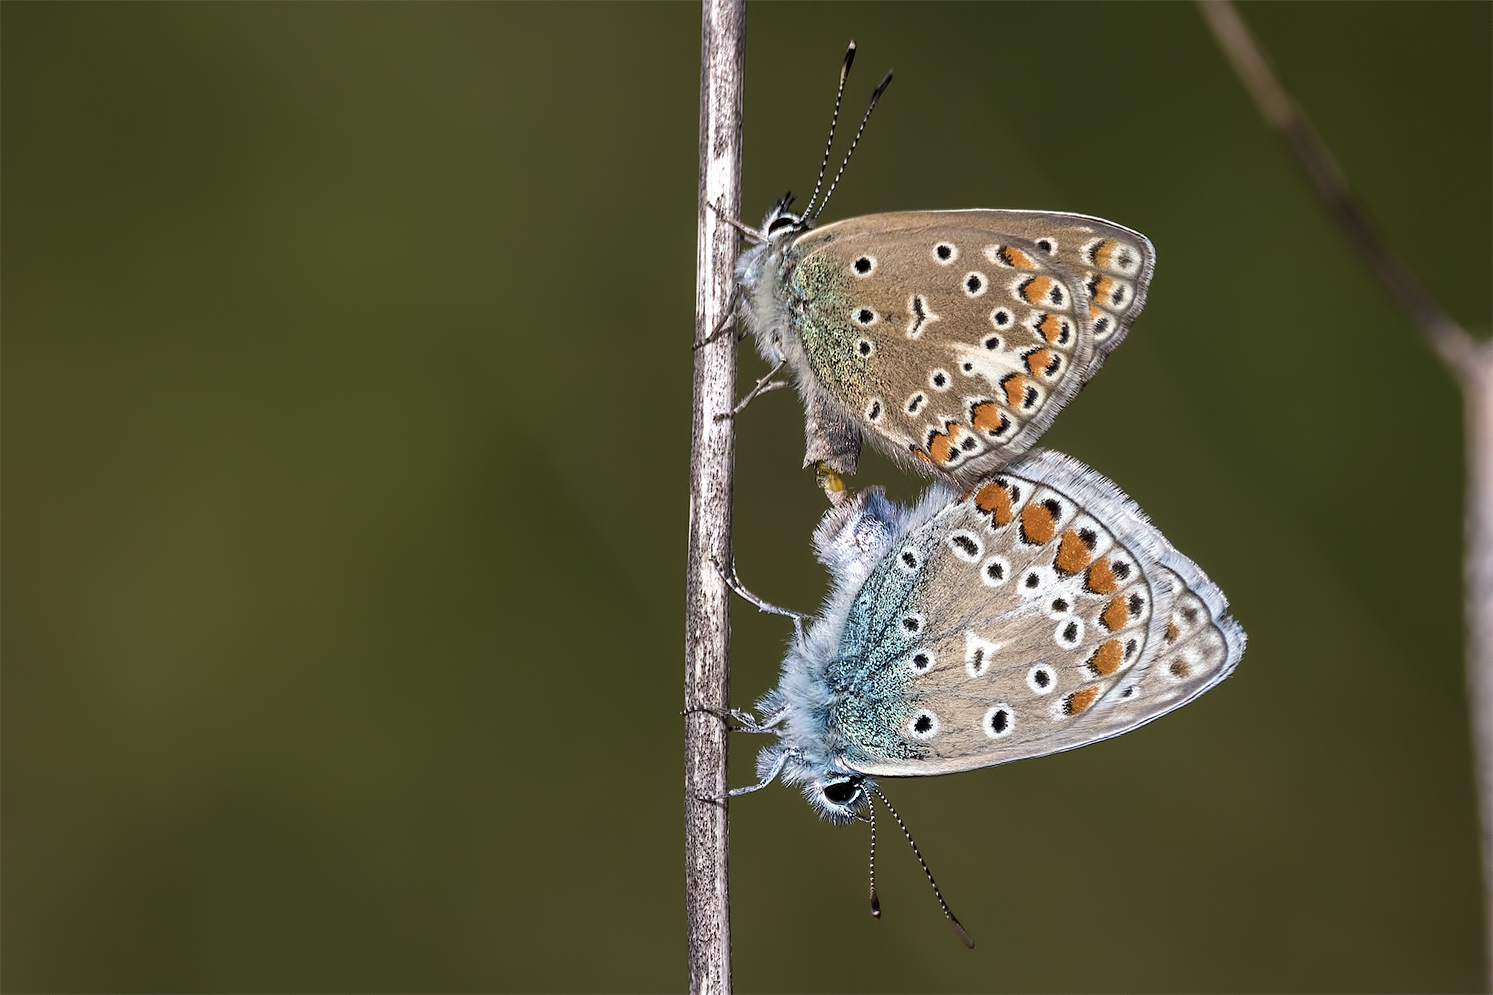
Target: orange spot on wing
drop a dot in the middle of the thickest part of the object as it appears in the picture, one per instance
(1073, 553)
(920, 454)
(1015, 387)
(1080, 700)
(1101, 578)
(1012, 256)
(1107, 658)
(1038, 361)
(1172, 632)
(1038, 523)
(986, 416)
(1116, 614)
(941, 446)
(1101, 288)
(1051, 327)
(1034, 291)
(995, 500)
(1103, 251)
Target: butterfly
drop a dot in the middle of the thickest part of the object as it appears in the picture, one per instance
(949, 339)
(1038, 611)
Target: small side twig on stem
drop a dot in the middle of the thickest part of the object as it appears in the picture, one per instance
(712, 453)
(1469, 360)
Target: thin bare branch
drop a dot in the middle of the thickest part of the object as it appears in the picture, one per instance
(1451, 342)
(1469, 359)
(712, 454)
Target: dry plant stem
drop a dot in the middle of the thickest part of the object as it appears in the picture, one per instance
(712, 452)
(1468, 359)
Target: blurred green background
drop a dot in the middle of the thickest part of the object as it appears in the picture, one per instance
(345, 428)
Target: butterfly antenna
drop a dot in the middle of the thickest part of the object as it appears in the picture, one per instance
(834, 119)
(916, 853)
(875, 96)
(875, 901)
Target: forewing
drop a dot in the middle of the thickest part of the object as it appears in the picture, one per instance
(956, 337)
(1057, 616)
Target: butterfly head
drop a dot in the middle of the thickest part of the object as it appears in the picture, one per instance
(782, 224)
(837, 795)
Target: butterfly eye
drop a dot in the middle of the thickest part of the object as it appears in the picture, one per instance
(782, 223)
(841, 792)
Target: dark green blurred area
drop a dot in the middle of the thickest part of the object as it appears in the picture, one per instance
(345, 428)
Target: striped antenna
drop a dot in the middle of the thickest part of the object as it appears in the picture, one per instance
(875, 96)
(834, 119)
(876, 906)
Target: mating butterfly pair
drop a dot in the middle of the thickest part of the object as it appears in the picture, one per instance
(1025, 605)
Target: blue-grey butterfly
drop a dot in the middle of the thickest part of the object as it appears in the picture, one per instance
(950, 339)
(1039, 611)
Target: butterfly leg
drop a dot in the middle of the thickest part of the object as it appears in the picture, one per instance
(727, 316)
(751, 234)
(735, 584)
(749, 722)
(772, 775)
(764, 385)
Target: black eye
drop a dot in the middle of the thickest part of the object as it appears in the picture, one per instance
(840, 792)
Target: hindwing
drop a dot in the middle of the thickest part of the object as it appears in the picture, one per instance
(1049, 614)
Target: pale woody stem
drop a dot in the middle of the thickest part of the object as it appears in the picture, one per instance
(712, 451)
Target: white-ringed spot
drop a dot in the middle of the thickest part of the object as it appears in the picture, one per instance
(921, 661)
(939, 380)
(921, 316)
(1069, 633)
(965, 545)
(945, 253)
(995, 571)
(1048, 245)
(909, 560)
(1035, 581)
(874, 410)
(924, 725)
(999, 720)
(864, 347)
(864, 265)
(916, 402)
(979, 654)
(1041, 679)
(912, 623)
(1001, 318)
(863, 316)
(975, 284)
(1060, 607)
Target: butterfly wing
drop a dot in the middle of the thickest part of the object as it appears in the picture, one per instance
(953, 338)
(1052, 615)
